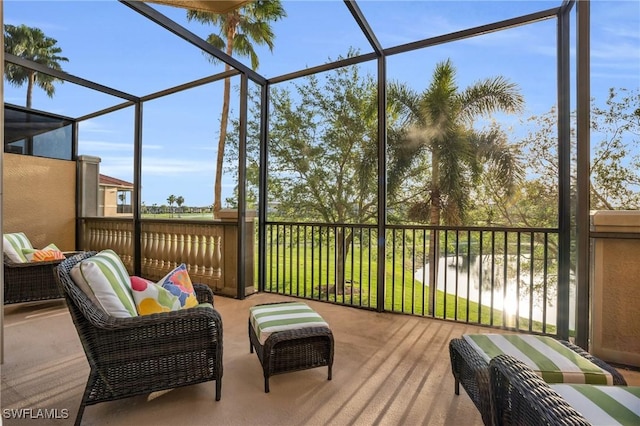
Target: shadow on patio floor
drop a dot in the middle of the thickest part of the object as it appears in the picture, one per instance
(388, 370)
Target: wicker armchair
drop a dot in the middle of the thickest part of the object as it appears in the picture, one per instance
(30, 282)
(521, 397)
(144, 354)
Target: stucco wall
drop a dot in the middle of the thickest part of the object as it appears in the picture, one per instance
(616, 288)
(39, 199)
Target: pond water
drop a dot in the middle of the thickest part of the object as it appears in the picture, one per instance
(458, 276)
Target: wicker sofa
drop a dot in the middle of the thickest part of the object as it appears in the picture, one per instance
(30, 282)
(143, 354)
(520, 397)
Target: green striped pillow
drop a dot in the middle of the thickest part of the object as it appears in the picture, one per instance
(108, 278)
(12, 245)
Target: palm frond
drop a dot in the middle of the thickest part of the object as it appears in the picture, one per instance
(489, 96)
(502, 160)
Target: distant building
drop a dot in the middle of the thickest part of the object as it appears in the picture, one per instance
(114, 196)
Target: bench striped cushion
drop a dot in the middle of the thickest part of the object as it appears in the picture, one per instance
(603, 405)
(270, 318)
(553, 361)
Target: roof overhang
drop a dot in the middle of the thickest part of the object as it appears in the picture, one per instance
(213, 6)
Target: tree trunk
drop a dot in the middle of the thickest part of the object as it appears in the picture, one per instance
(217, 191)
(434, 259)
(434, 220)
(343, 242)
(30, 82)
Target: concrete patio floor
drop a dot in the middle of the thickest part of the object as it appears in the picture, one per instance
(388, 370)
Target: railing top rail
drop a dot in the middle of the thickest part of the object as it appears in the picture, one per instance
(419, 226)
(208, 222)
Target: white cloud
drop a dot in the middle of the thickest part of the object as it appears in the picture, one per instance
(96, 146)
(617, 51)
(94, 126)
(122, 167)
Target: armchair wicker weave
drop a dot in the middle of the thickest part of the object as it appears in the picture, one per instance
(143, 354)
(30, 282)
(521, 397)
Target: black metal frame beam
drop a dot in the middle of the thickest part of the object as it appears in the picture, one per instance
(262, 186)
(160, 19)
(563, 54)
(106, 111)
(324, 67)
(364, 26)
(190, 85)
(242, 186)
(583, 171)
(475, 31)
(67, 77)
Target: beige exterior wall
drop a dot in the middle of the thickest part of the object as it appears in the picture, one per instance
(40, 199)
(108, 201)
(615, 298)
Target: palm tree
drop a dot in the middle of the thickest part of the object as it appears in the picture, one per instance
(179, 202)
(239, 29)
(440, 123)
(122, 197)
(32, 44)
(171, 199)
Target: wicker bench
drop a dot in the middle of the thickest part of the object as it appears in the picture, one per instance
(283, 347)
(30, 282)
(471, 369)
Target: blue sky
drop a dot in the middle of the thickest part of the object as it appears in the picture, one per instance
(109, 43)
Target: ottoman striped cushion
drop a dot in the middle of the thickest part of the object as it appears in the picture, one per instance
(552, 360)
(268, 319)
(603, 405)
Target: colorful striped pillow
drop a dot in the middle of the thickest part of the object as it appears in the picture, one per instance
(50, 252)
(108, 278)
(12, 245)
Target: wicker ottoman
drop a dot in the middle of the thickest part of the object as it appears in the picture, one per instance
(289, 337)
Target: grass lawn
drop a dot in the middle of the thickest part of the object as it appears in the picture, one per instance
(292, 271)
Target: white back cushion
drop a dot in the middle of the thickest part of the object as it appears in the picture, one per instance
(108, 278)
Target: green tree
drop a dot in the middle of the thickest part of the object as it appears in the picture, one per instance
(615, 164)
(171, 199)
(239, 30)
(32, 44)
(323, 139)
(615, 161)
(179, 202)
(615, 171)
(439, 124)
(122, 196)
